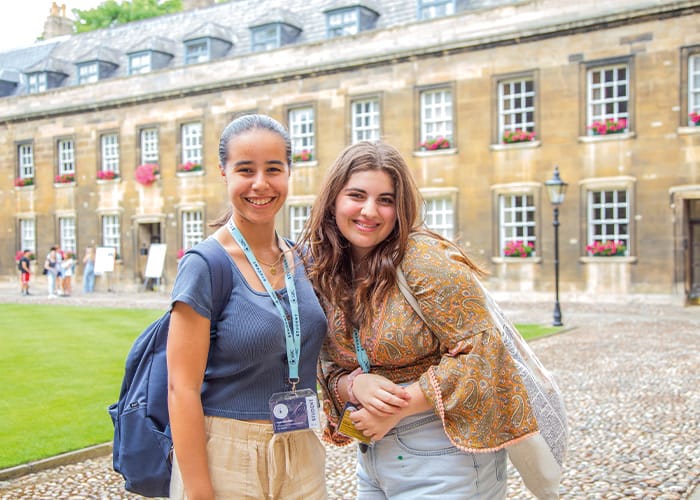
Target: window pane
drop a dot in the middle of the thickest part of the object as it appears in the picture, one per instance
(301, 130)
(608, 219)
(192, 143)
(516, 111)
(517, 225)
(365, 120)
(439, 216)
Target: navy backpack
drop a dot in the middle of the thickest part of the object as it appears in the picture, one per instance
(142, 440)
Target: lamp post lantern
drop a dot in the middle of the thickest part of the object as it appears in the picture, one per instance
(556, 188)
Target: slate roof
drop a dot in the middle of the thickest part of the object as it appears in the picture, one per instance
(229, 21)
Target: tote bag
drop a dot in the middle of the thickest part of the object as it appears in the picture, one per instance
(539, 458)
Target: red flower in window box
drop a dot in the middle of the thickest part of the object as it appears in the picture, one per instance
(26, 181)
(434, 144)
(303, 155)
(512, 136)
(147, 173)
(189, 167)
(609, 126)
(107, 175)
(518, 249)
(64, 178)
(606, 249)
(695, 118)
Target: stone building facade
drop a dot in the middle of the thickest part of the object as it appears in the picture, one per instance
(484, 99)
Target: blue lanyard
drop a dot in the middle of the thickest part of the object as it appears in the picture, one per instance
(360, 352)
(292, 333)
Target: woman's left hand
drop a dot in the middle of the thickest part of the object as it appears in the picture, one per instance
(372, 425)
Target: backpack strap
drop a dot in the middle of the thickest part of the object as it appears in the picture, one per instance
(407, 293)
(220, 272)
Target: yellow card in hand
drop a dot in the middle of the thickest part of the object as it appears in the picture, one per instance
(347, 428)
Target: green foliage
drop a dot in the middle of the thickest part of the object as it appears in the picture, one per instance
(62, 367)
(111, 13)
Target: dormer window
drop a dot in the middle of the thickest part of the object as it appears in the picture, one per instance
(150, 54)
(87, 73)
(96, 64)
(139, 63)
(272, 35)
(197, 51)
(430, 9)
(37, 82)
(349, 21)
(208, 42)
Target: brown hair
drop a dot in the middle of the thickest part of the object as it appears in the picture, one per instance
(327, 252)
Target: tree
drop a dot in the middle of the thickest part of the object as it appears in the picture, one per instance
(110, 13)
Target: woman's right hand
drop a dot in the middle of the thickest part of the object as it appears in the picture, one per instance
(379, 395)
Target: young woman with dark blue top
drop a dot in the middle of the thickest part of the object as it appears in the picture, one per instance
(243, 405)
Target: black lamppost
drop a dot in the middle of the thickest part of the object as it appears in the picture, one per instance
(556, 188)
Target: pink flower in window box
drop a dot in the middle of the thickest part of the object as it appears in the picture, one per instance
(147, 173)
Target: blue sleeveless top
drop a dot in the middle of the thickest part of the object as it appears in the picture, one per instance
(248, 358)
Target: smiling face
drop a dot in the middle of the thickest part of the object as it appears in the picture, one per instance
(365, 210)
(257, 176)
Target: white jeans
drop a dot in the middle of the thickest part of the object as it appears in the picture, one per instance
(417, 460)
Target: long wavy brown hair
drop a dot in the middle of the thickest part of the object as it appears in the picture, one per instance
(327, 252)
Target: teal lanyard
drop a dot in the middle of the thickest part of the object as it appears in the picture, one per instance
(293, 332)
(360, 352)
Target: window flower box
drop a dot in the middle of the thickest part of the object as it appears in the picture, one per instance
(20, 253)
(694, 119)
(609, 126)
(513, 136)
(147, 173)
(189, 167)
(181, 253)
(607, 249)
(435, 144)
(518, 248)
(26, 181)
(107, 175)
(64, 179)
(303, 155)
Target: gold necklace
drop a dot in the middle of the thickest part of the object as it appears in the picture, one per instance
(273, 266)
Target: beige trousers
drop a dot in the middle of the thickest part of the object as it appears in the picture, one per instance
(248, 461)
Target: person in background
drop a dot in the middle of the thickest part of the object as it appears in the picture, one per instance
(51, 267)
(89, 270)
(226, 391)
(59, 270)
(25, 271)
(68, 265)
(435, 401)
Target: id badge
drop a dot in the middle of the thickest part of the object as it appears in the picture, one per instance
(347, 428)
(294, 411)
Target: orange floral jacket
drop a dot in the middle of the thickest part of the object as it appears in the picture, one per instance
(477, 393)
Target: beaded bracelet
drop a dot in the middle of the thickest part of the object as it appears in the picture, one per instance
(351, 380)
(336, 394)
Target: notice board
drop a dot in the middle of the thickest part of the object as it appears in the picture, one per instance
(156, 260)
(104, 259)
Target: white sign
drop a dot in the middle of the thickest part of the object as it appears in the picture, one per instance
(156, 259)
(104, 259)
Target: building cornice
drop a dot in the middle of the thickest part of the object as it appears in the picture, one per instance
(369, 50)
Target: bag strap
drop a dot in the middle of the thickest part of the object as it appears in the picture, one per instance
(220, 272)
(407, 293)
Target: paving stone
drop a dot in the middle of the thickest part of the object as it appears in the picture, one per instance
(630, 377)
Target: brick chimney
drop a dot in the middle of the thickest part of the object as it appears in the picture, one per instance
(57, 24)
(195, 4)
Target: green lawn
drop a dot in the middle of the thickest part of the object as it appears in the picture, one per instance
(61, 367)
(530, 331)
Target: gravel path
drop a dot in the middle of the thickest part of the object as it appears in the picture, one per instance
(629, 372)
